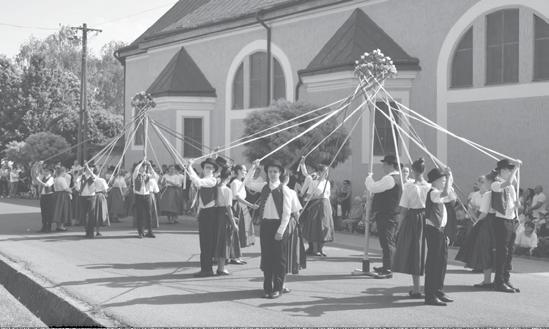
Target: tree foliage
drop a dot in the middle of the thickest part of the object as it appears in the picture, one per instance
(45, 145)
(282, 111)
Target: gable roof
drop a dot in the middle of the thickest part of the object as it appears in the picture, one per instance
(181, 77)
(187, 15)
(359, 34)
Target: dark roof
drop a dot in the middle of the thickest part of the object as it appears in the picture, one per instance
(359, 34)
(188, 15)
(181, 77)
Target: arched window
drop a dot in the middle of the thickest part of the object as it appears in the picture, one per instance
(250, 82)
(541, 49)
(462, 63)
(502, 47)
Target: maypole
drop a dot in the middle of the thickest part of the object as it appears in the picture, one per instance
(372, 70)
(143, 103)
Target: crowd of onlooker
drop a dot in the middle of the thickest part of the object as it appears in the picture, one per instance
(15, 181)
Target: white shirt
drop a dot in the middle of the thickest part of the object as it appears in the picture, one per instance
(414, 195)
(486, 203)
(435, 198)
(14, 175)
(254, 184)
(225, 197)
(146, 187)
(89, 189)
(206, 182)
(101, 185)
(522, 240)
(119, 182)
(476, 199)
(316, 188)
(60, 184)
(386, 183)
(49, 182)
(296, 205)
(541, 210)
(174, 180)
(270, 212)
(511, 201)
(237, 188)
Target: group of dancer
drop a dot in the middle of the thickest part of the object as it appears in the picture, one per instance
(411, 221)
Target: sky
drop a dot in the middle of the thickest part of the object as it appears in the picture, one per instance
(121, 20)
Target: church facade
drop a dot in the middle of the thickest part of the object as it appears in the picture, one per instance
(478, 67)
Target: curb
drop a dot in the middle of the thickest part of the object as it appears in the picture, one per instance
(52, 305)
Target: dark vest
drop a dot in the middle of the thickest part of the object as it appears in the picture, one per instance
(278, 198)
(47, 189)
(207, 194)
(387, 202)
(499, 200)
(434, 211)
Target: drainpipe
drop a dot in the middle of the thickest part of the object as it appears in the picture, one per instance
(269, 58)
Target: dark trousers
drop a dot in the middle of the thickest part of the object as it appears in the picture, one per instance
(143, 212)
(47, 208)
(504, 232)
(207, 234)
(273, 256)
(386, 230)
(437, 259)
(4, 190)
(87, 207)
(346, 207)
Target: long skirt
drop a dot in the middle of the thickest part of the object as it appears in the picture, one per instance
(297, 259)
(477, 252)
(223, 234)
(101, 210)
(62, 212)
(409, 256)
(117, 207)
(154, 211)
(318, 223)
(171, 201)
(246, 231)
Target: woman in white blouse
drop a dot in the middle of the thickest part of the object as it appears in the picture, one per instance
(171, 198)
(63, 195)
(117, 208)
(316, 219)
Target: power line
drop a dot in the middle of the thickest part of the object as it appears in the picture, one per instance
(29, 27)
(135, 14)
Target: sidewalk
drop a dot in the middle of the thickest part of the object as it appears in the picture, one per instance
(13, 314)
(122, 280)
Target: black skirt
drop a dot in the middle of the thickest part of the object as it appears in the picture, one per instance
(296, 257)
(477, 252)
(318, 223)
(246, 232)
(409, 254)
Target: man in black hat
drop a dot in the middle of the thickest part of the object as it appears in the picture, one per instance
(207, 220)
(385, 206)
(436, 218)
(274, 212)
(504, 202)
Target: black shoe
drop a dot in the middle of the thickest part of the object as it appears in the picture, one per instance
(98, 234)
(512, 287)
(476, 271)
(224, 272)
(323, 254)
(416, 295)
(434, 302)
(444, 298)
(237, 262)
(309, 252)
(503, 288)
(88, 236)
(150, 235)
(286, 290)
(317, 254)
(275, 295)
(140, 236)
(61, 229)
(203, 274)
(266, 294)
(384, 275)
(379, 269)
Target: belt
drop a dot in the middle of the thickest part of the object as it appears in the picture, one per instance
(270, 219)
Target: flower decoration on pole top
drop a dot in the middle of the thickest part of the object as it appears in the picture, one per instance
(143, 101)
(374, 68)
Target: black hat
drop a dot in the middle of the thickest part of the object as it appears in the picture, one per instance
(505, 164)
(221, 161)
(435, 174)
(273, 163)
(390, 159)
(210, 161)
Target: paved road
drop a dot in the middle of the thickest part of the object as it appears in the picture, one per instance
(13, 314)
(149, 282)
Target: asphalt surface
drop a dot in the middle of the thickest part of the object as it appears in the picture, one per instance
(13, 314)
(149, 282)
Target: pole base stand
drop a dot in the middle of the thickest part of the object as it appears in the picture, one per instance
(365, 271)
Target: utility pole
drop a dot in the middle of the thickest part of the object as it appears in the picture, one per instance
(82, 150)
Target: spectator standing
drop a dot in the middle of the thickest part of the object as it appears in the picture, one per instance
(4, 179)
(14, 181)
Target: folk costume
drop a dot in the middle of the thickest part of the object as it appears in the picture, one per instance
(63, 194)
(47, 201)
(385, 206)
(437, 242)
(171, 196)
(101, 205)
(297, 258)
(274, 212)
(409, 254)
(86, 185)
(115, 198)
(143, 200)
(223, 203)
(246, 232)
(207, 216)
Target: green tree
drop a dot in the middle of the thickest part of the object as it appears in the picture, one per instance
(45, 145)
(14, 151)
(11, 113)
(282, 111)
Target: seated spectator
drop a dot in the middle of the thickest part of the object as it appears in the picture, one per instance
(344, 198)
(527, 240)
(355, 215)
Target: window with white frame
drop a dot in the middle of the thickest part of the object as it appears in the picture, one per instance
(250, 82)
(193, 137)
(502, 47)
(541, 49)
(383, 140)
(462, 62)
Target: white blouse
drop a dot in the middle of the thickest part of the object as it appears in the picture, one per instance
(60, 184)
(316, 188)
(238, 189)
(414, 195)
(119, 182)
(174, 180)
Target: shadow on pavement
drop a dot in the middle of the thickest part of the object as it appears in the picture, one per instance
(143, 266)
(193, 298)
